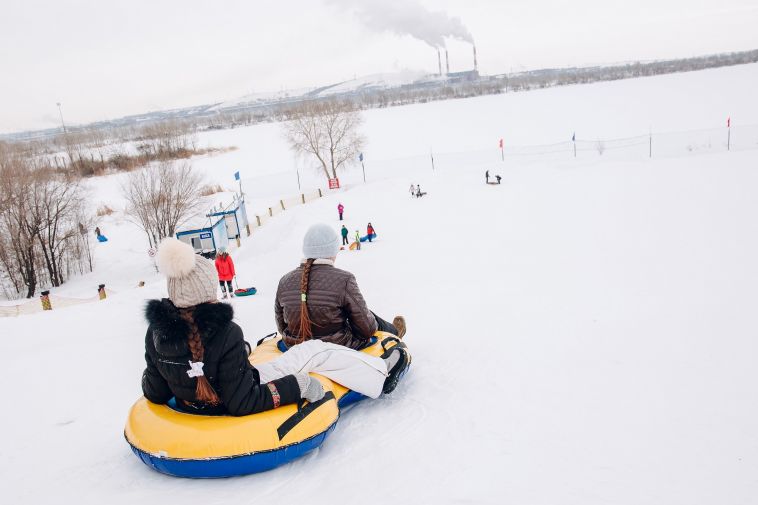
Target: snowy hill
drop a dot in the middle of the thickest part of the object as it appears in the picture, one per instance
(582, 333)
(371, 82)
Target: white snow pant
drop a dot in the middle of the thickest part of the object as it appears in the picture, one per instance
(353, 369)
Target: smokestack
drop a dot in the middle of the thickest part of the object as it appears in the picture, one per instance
(475, 64)
(439, 60)
(447, 63)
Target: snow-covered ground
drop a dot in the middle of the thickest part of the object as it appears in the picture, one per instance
(582, 334)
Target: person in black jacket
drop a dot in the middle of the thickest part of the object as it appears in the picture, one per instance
(195, 353)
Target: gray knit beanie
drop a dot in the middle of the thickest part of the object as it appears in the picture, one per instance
(191, 279)
(320, 241)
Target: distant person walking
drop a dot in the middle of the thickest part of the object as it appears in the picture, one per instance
(487, 176)
(341, 210)
(413, 190)
(97, 231)
(225, 271)
(419, 193)
(344, 232)
(357, 240)
(498, 178)
(370, 232)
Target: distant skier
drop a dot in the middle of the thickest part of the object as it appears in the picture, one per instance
(413, 190)
(340, 209)
(370, 233)
(487, 176)
(225, 270)
(357, 240)
(344, 232)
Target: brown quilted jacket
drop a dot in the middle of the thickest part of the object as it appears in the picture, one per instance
(335, 306)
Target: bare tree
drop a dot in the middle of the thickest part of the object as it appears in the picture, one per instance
(18, 230)
(161, 197)
(39, 213)
(327, 130)
(55, 205)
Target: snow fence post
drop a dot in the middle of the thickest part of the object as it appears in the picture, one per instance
(101, 291)
(45, 299)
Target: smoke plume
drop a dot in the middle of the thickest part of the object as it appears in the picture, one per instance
(406, 17)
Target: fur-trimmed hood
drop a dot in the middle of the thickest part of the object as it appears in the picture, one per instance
(168, 325)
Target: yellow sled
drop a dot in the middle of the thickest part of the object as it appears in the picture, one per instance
(190, 445)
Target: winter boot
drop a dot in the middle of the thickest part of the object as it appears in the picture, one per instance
(225, 295)
(399, 323)
(397, 360)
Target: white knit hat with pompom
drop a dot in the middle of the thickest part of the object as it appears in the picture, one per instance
(191, 279)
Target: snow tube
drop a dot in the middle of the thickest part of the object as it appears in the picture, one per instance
(190, 445)
(245, 291)
(353, 246)
(365, 238)
(102, 238)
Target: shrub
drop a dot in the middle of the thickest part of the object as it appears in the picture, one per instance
(211, 189)
(104, 210)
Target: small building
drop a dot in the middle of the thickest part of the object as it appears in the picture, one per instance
(222, 224)
(465, 76)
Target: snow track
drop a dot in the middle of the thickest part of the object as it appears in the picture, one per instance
(582, 334)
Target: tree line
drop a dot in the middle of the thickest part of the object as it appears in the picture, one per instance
(91, 152)
(44, 224)
(466, 87)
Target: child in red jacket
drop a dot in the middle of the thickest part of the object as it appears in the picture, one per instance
(370, 233)
(225, 270)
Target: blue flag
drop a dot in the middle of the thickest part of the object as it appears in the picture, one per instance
(573, 137)
(236, 176)
(360, 157)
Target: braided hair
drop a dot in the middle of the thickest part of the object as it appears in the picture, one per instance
(204, 391)
(306, 331)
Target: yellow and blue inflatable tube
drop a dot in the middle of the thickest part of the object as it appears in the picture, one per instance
(196, 446)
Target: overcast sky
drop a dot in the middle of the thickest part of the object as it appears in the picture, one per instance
(104, 59)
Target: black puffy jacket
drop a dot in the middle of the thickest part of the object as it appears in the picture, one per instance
(235, 380)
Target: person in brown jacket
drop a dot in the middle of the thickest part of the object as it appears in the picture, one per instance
(319, 301)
